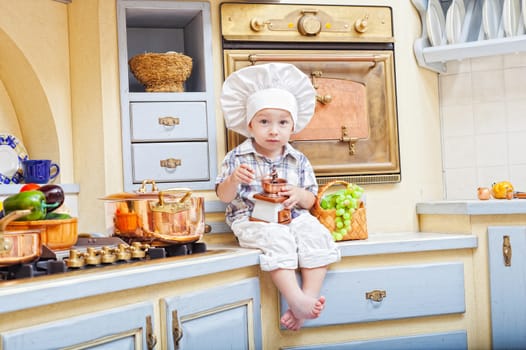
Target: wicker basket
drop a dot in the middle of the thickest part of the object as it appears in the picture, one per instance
(55, 234)
(161, 72)
(327, 217)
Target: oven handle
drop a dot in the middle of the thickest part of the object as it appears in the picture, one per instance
(253, 58)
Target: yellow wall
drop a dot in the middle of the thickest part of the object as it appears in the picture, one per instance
(63, 78)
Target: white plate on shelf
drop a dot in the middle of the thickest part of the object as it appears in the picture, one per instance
(454, 20)
(436, 23)
(12, 153)
(511, 15)
(491, 15)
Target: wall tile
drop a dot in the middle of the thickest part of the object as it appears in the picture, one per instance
(518, 177)
(461, 183)
(516, 115)
(486, 176)
(455, 89)
(490, 117)
(517, 148)
(488, 86)
(515, 83)
(481, 64)
(491, 150)
(457, 120)
(459, 152)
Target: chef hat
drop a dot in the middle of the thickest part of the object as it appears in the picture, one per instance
(271, 85)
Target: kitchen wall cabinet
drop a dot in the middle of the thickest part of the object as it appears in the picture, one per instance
(228, 315)
(168, 137)
(128, 327)
(507, 269)
(474, 43)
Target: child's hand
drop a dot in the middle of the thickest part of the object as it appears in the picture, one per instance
(243, 174)
(297, 196)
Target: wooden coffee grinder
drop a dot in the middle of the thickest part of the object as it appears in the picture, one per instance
(268, 205)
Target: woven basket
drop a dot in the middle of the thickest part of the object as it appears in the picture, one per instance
(327, 217)
(161, 72)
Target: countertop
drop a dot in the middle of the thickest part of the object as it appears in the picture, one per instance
(473, 207)
(45, 290)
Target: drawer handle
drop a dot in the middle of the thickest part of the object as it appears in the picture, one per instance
(170, 163)
(168, 121)
(376, 295)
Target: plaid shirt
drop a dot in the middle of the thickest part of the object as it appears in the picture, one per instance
(292, 165)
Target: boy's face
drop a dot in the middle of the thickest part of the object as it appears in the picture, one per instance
(271, 129)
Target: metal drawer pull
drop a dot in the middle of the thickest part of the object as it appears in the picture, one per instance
(177, 330)
(506, 250)
(151, 339)
(169, 121)
(376, 295)
(170, 163)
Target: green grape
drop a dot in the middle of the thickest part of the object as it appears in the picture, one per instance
(339, 212)
(347, 224)
(324, 204)
(338, 237)
(343, 231)
(346, 215)
(339, 224)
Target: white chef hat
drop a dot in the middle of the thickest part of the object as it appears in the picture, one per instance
(271, 85)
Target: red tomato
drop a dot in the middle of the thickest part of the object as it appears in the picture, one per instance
(30, 187)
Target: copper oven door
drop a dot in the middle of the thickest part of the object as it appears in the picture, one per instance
(353, 135)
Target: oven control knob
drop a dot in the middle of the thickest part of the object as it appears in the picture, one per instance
(309, 25)
(361, 24)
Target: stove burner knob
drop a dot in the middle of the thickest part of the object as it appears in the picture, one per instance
(361, 24)
(123, 253)
(76, 259)
(309, 24)
(107, 256)
(92, 257)
(138, 250)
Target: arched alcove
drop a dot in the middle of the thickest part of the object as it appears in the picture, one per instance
(33, 111)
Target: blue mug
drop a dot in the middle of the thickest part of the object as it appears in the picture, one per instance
(39, 171)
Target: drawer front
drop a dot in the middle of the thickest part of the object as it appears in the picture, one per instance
(168, 121)
(147, 161)
(410, 291)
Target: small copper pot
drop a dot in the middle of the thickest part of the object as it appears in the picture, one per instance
(18, 247)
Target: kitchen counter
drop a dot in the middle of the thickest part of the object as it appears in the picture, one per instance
(473, 207)
(46, 290)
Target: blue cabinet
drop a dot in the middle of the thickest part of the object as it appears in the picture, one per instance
(507, 269)
(128, 327)
(226, 317)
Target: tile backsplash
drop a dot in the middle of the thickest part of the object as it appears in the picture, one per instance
(483, 118)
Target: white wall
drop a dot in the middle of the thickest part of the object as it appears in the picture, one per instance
(483, 118)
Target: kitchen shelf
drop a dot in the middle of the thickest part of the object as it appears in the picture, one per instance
(435, 57)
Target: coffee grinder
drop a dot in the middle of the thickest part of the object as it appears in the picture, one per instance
(268, 205)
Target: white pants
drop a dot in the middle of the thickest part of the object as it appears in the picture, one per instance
(305, 242)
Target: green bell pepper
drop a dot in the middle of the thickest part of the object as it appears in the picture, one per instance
(34, 200)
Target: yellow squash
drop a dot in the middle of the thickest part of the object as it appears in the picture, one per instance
(502, 189)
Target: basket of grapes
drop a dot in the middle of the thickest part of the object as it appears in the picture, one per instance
(342, 211)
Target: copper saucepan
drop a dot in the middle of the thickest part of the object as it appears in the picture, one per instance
(18, 247)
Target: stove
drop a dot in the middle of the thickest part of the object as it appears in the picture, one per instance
(94, 253)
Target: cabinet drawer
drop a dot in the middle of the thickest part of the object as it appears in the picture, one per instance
(168, 121)
(193, 157)
(410, 291)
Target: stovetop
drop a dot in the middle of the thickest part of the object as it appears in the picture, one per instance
(94, 253)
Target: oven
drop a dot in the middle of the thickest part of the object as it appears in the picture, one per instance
(348, 52)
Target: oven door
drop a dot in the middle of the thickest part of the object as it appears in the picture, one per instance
(353, 135)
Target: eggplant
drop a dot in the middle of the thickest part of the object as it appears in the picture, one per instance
(54, 196)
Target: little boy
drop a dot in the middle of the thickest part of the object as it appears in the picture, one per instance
(267, 103)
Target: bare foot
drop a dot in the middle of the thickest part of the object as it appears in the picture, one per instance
(307, 307)
(290, 321)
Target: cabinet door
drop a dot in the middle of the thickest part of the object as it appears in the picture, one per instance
(127, 327)
(226, 317)
(507, 269)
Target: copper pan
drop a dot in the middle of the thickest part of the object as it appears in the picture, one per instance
(18, 247)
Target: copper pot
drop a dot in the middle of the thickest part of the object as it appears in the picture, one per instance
(18, 247)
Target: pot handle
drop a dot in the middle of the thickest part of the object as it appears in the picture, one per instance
(6, 245)
(142, 189)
